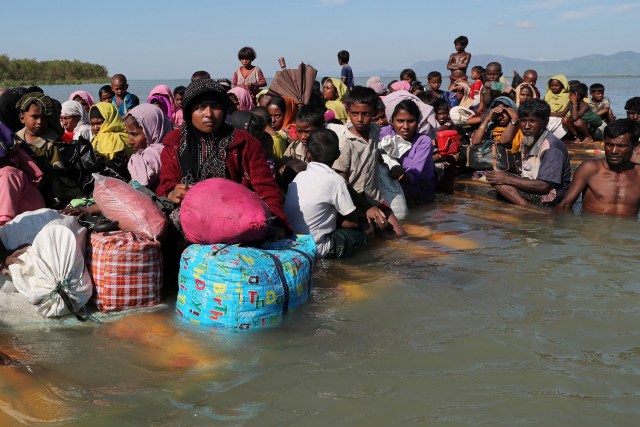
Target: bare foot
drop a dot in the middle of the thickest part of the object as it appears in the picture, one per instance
(587, 140)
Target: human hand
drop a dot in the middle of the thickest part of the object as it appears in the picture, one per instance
(376, 217)
(496, 177)
(13, 259)
(573, 97)
(396, 172)
(177, 194)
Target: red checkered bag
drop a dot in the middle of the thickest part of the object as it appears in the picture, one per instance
(126, 270)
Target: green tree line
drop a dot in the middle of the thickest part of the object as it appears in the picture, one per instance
(30, 71)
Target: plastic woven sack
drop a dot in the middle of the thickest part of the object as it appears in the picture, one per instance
(126, 271)
(244, 287)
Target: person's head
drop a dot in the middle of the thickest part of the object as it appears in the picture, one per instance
(277, 108)
(323, 147)
(329, 90)
(434, 80)
(502, 118)
(361, 106)
(205, 105)
(579, 89)
(530, 77)
(198, 75)
(246, 55)
(136, 135)
(343, 57)
(72, 113)
(96, 119)
(633, 108)
(461, 43)
(525, 92)
(178, 94)
(106, 94)
(620, 139)
(308, 119)
(596, 91)
(534, 116)
(416, 87)
(460, 89)
(428, 97)
(408, 75)
(441, 111)
(380, 115)
(119, 85)
(477, 73)
(493, 72)
(38, 112)
(555, 86)
(404, 119)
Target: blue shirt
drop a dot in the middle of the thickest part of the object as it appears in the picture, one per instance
(348, 73)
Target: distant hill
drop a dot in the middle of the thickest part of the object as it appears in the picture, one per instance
(619, 64)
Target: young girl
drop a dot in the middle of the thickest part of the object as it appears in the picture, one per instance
(283, 112)
(334, 93)
(557, 97)
(248, 76)
(110, 138)
(146, 126)
(83, 97)
(524, 91)
(163, 97)
(415, 172)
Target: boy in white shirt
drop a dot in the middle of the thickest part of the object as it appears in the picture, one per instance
(318, 201)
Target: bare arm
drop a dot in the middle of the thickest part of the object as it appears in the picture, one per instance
(525, 184)
(561, 113)
(579, 183)
(478, 135)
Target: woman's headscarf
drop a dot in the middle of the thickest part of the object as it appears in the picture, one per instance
(160, 102)
(74, 108)
(191, 140)
(427, 122)
(112, 137)
(337, 105)
(9, 114)
(401, 85)
(245, 100)
(17, 156)
(466, 101)
(519, 88)
(86, 96)
(376, 84)
(290, 114)
(165, 92)
(144, 165)
(560, 101)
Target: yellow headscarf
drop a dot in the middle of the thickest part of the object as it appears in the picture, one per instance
(520, 87)
(112, 137)
(560, 101)
(337, 105)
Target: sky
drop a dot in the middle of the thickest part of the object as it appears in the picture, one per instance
(169, 39)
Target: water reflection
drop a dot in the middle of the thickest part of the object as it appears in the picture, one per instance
(485, 314)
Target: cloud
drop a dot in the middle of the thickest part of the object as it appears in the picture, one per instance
(330, 3)
(500, 24)
(525, 25)
(571, 15)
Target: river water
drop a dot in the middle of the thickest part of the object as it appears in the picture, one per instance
(486, 315)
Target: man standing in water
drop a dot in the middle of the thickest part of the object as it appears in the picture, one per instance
(546, 173)
(609, 186)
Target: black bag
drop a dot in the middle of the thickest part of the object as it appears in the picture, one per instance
(490, 155)
(80, 161)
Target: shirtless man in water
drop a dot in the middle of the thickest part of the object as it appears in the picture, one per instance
(609, 186)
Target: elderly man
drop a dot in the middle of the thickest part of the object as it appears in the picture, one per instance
(546, 173)
(609, 186)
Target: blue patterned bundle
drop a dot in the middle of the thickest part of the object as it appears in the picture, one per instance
(232, 286)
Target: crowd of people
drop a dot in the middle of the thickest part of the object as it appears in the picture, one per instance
(343, 167)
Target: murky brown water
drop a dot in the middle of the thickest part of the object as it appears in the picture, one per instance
(488, 315)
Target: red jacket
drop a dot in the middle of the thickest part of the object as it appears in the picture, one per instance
(246, 164)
